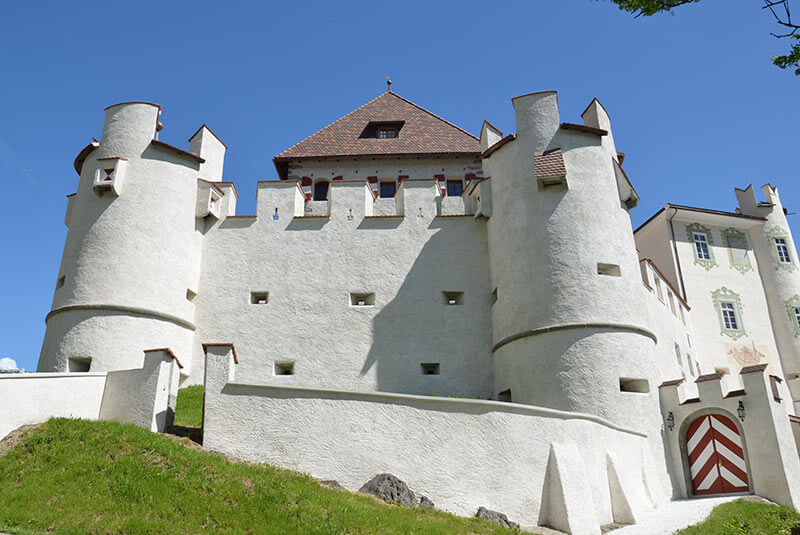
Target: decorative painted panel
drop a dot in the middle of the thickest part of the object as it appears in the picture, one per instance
(738, 249)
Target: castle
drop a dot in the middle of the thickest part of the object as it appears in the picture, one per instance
(475, 315)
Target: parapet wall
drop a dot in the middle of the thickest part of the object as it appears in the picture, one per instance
(461, 453)
(143, 397)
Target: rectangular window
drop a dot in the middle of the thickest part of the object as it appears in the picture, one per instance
(783, 251)
(259, 298)
(387, 133)
(640, 386)
(678, 355)
(80, 364)
(321, 191)
(430, 368)
(671, 302)
(659, 290)
(701, 246)
(796, 311)
(455, 188)
(505, 395)
(362, 300)
(453, 298)
(610, 270)
(729, 316)
(388, 189)
(284, 368)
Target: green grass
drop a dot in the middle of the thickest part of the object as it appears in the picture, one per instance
(746, 518)
(189, 406)
(78, 477)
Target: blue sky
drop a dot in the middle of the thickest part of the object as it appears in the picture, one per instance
(695, 103)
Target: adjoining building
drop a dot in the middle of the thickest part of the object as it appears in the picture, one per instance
(473, 314)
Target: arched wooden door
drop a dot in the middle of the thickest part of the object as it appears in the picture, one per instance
(716, 456)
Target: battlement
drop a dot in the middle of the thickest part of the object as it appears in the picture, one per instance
(719, 388)
(355, 199)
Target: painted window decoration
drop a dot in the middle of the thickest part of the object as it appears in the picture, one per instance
(738, 249)
(728, 305)
(793, 311)
(701, 240)
(781, 248)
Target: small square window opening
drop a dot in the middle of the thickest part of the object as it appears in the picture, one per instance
(190, 295)
(259, 298)
(505, 396)
(284, 368)
(387, 132)
(453, 298)
(430, 368)
(60, 283)
(639, 386)
(362, 299)
(610, 270)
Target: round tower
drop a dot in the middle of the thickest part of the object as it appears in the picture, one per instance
(132, 254)
(569, 322)
(779, 268)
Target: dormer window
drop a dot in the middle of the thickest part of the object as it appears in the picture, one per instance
(382, 130)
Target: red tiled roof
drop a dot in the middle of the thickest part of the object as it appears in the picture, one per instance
(549, 164)
(421, 133)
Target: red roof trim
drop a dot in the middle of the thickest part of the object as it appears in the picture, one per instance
(166, 350)
(204, 125)
(488, 152)
(585, 129)
(222, 344)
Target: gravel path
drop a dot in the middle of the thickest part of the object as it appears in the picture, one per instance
(673, 516)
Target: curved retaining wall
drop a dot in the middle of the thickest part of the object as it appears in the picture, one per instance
(540, 466)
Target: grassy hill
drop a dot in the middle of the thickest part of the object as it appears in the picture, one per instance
(77, 477)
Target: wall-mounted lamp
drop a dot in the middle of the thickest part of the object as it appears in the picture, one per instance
(670, 421)
(740, 410)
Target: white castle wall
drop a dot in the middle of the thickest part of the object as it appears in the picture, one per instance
(310, 266)
(144, 396)
(128, 259)
(460, 453)
(31, 398)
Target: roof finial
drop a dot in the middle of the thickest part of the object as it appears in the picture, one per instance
(388, 84)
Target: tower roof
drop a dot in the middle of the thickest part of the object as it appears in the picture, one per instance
(417, 132)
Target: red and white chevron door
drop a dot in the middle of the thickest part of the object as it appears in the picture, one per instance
(716, 456)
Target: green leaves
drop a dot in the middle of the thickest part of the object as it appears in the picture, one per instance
(650, 7)
(792, 59)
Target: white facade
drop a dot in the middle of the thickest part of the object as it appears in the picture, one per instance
(529, 292)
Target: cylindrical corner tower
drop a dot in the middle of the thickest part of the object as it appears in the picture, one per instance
(569, 322)
(132, 251)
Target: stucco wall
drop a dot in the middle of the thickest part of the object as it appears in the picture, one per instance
(139, 249)
(460, 453)
(30, 398)
(145, 397)
(311, 266)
